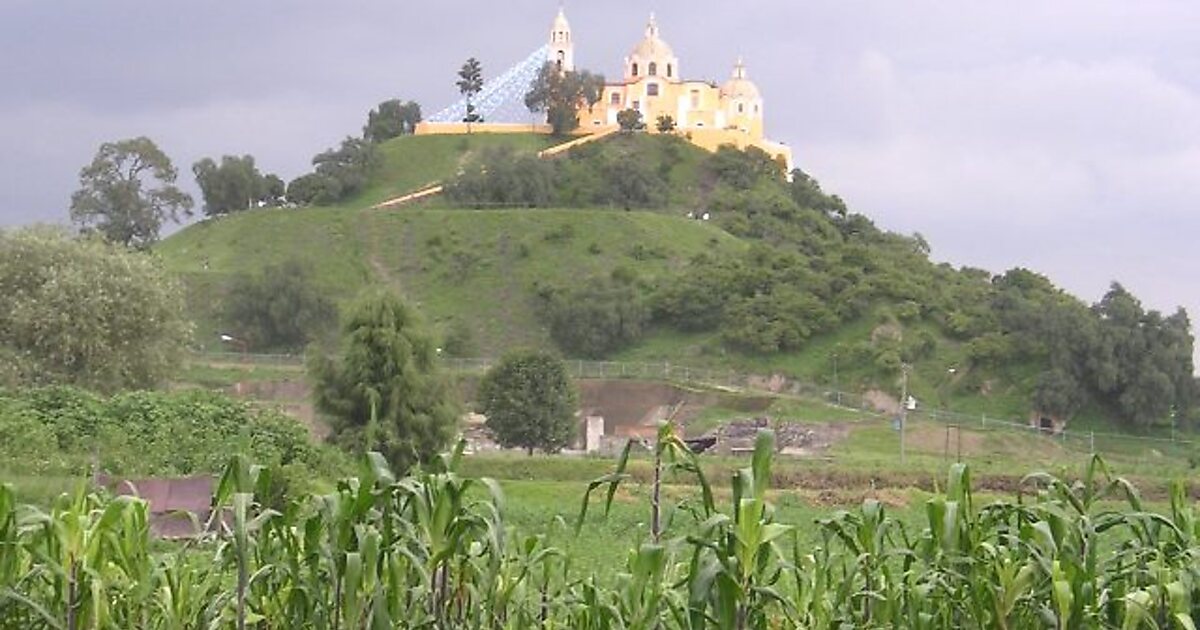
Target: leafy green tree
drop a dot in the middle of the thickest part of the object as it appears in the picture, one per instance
(391, 119)
(596, 318)
(313, 188)
(234, 184)
(630, 120)
(350, 165)
(502, 177)
(385, 392)
(280, 308)
(560, 95)
(470, 83)
(128, 192)
(86, 312)
(1058, 393)
(807, 193)
(665, 123)
(529, 402)
(459, 340)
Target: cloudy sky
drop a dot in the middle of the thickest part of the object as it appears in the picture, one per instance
(1062, 136)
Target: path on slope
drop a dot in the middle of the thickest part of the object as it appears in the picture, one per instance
(436, 189)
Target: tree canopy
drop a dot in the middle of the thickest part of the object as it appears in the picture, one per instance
(529, 401)
(128, 192)
(338, 174)
(234, 184)
(470, 83)
(391, 119)
(384, 390)
(560, 95)
(86, 312)
(279, 308)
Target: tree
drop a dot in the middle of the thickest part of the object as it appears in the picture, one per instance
(128, 192)
(630, 120)
(346, 169)
(279, 308)
(502, 177)
(561, 95)
(470, 83)
(313, 188)
(392, 118)
(86, 312)
(596, 318)
(666, 124)
(384, 392)
(234, 184)
(529, 402)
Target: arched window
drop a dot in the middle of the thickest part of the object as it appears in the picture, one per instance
(634, 70)
(652, 89)
(669, 71)
(653, 69)
(615, 98)
(562, 57)
(741, 108)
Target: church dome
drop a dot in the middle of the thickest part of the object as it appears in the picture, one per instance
(652, 57)
(652, 46)
(740, 87)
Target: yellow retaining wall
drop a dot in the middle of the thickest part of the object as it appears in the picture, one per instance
(458, 128)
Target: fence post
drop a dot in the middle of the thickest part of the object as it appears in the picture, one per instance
(1092, 440)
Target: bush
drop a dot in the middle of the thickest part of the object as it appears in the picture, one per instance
(596, 318)
(280, 308)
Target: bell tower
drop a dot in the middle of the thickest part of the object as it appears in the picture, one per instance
(562, 46)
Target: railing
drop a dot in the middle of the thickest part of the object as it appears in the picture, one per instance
(1077, 440)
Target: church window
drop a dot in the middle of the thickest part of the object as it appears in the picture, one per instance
(637, 105)
(756, 109)
(615, 99)
(652, 89)
(695, 99)
(634, 71)
(652, 69)
(741, 108)
(669, 69)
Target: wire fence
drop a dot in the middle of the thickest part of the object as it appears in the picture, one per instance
(1083, 441)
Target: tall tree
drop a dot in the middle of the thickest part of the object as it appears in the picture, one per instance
(234, 184)
(385, 391)
(347, 168)
(390, 119)
(279, 308)
(560, 95)
(529, 402)
(128, 192)
(470, 83)
(86, 312)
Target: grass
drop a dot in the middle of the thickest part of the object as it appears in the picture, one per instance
(484, 265)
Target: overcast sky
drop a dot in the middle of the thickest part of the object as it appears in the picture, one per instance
(1061, 136)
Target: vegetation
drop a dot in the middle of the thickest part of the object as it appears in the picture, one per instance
(432, 549)
(340, 173)
(630, 120)
(470, 83)
(595, 318)
(530, 402)
(384, 392)
(56, 431)
(128, 192)
(391, 119)
(561, 94)
(279, 308)
(86, 312)
(235, 184)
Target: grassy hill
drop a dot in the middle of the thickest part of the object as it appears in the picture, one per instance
(483, 268)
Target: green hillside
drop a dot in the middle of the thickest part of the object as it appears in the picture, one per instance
(782, 280)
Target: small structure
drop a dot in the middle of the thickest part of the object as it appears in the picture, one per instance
(179, 507)
(593, 433)
(1049, 423)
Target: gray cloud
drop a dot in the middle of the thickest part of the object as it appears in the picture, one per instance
(1060, 136)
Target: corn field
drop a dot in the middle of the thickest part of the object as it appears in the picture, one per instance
(431, 550)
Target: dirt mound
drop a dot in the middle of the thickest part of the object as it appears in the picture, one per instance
(629, 407)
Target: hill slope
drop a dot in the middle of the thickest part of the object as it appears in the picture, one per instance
(783, 279)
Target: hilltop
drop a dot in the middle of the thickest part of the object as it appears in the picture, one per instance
(781, 279)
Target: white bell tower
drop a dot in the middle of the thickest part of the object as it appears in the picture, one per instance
(562, 46)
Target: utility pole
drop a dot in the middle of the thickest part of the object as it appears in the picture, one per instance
(903, 407)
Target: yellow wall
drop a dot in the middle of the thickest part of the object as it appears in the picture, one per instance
(433, 129)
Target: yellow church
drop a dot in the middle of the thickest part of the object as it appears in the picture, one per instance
(707, 114)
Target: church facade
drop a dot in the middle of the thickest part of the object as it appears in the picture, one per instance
(707, 114)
